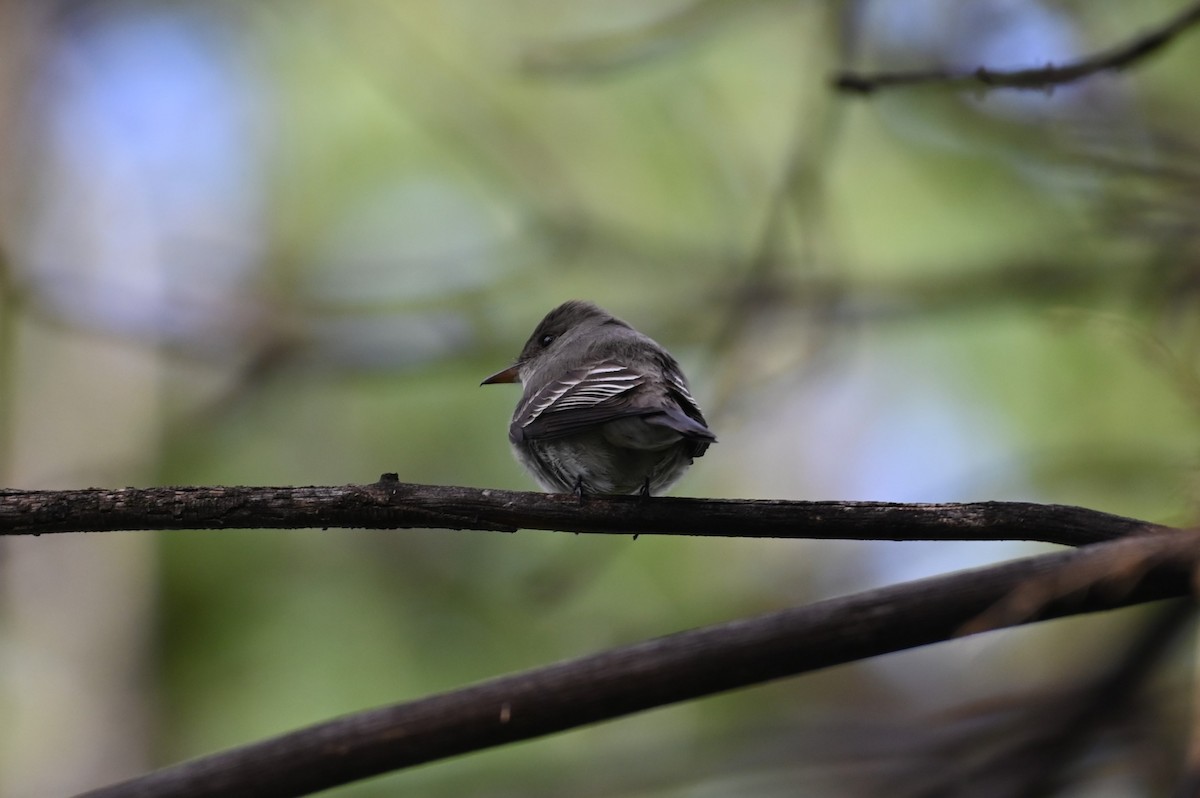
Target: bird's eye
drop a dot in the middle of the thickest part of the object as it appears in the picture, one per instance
(546, 339)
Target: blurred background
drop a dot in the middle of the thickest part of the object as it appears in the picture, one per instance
(281, 243)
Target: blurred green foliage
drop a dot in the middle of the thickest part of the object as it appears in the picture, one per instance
(281, 243)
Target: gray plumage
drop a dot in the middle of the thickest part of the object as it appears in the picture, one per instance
(605, 409)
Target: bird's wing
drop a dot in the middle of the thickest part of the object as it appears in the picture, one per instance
(677, 387)
(683, 415)
(580, 398)
(602, 392)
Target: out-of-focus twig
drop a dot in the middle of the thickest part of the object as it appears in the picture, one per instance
(600, 54)
(1021, 745)
(1034, 767)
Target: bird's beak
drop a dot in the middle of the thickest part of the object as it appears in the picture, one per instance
(510, 374)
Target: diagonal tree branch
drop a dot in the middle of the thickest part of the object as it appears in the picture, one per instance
(678, 667)
(391, 504)
(1117, 58)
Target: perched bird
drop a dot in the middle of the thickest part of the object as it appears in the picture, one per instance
(605, 408)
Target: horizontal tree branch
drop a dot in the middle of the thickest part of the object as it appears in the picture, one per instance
(1038, 79)
(391, 504)
(686, 665)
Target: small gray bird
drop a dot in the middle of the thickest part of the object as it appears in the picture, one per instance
(605, 409)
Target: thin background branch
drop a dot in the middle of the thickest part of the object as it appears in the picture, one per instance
(1117, 58)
